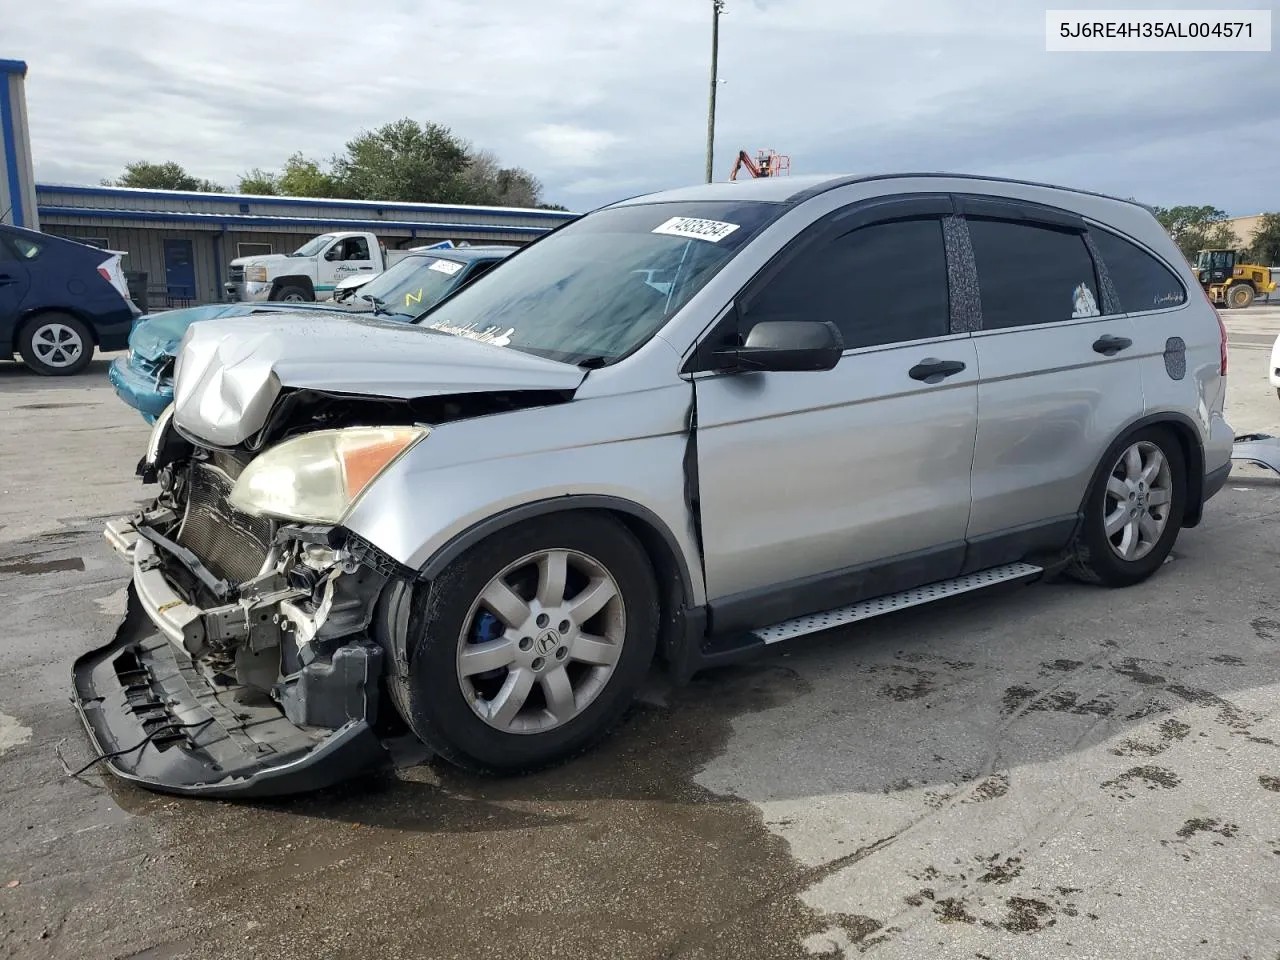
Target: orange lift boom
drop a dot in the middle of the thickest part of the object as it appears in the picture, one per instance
(768, 163)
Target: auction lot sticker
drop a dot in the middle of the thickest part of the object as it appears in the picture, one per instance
(696, 229)
(446, 266)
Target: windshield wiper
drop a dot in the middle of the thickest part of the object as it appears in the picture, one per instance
(593, 363)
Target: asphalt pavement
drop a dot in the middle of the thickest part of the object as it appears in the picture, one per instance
(1036, 772)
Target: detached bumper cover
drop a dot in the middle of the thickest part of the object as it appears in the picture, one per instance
(1260, 449)
(139, 689)
(165, 722)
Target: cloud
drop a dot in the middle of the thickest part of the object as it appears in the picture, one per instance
(607, 98)
(564, 145)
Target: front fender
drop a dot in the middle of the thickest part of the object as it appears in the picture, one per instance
(620, 452)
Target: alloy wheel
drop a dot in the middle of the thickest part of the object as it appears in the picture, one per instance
(541, 641)
(56, 345)
(1139, 494)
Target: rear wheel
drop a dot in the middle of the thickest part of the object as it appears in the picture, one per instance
(291, 294)
(1240, 295)
(1134, 511)
(55, 345)
(531, 646)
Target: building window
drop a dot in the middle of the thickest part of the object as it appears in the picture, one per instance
(252, 249)
(99, 242)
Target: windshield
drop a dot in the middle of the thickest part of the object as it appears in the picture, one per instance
(413, 285)
(313, 246)
(603, 285)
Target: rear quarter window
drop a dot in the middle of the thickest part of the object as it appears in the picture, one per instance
(1141, 281)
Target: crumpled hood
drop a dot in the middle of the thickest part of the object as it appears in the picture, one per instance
(231, 370)
(158, 334)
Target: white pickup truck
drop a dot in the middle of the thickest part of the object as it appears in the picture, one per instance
(312, 271)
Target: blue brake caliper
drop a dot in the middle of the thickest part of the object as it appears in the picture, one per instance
(484, 628)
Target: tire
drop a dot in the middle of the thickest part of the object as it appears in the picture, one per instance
(1097, 556)
(1240, 295)
(56, 345)
(451, 621)
(292, 294)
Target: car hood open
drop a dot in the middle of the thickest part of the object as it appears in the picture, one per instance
(230, 371)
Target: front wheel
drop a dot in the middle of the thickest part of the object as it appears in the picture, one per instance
(1134, 511)
(532, 645)
(291, 294)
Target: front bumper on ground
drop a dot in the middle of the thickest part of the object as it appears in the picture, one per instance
(242, 291)
(139, 389)
(162, 721)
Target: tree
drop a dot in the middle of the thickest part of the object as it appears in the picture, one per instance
(1196, 228)
(161, 176)
(306, 178)
(1264, 247)
(489, 183)
(263, 183)
(406, 161)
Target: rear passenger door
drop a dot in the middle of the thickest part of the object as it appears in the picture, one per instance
(14, 281)
(1059, 377)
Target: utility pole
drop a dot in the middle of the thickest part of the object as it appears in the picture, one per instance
(717, 8)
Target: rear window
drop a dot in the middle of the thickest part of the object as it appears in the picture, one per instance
(1031, 273)
(1141, 281)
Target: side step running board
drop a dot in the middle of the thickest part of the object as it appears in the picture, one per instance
(878, 606)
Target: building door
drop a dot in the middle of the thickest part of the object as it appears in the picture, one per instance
(179, 270)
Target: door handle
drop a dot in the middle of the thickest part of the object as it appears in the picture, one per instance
(1110, 346)
(932, 370)
(366, 268)
(5, 279)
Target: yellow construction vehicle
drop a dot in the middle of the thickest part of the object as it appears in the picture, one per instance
(1230, 282)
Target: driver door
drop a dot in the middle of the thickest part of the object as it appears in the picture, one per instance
(821, 488)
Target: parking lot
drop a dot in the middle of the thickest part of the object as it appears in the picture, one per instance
(1044, 771)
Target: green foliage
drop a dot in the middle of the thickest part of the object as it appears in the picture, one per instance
(161, 176)
(262, 183)
(1196, 228)
(306, 178)
(1264, 247)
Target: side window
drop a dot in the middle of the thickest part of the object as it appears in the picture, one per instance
(1029, 273)
(357, 248)
(27, 249)
(1141, 281)
(883, 283)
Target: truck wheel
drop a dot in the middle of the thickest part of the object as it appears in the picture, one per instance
(1134, 511)
(532, 645)
(1240, 295)
(55, 345)
(291, 294)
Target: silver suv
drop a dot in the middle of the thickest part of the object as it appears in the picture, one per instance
(679, 428)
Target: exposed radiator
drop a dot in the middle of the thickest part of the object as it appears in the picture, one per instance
(231, 544)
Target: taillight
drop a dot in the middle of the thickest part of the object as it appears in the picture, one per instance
(1222, 337)
(106, 276)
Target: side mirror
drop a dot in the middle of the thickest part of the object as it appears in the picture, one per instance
(334, 252)
(786, 345)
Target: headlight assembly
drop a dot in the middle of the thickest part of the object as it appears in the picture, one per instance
(256, 273)
(317, 477)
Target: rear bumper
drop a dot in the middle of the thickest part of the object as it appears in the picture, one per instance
(168, 723)
(139, 390)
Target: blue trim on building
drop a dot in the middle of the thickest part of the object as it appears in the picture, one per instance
(215, 221)
(14, 66)
(238, 198)
(9, 134)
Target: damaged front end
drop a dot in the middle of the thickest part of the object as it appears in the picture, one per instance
(244, 665)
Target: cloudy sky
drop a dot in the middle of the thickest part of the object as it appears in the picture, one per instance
(607, 98)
